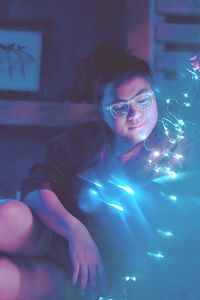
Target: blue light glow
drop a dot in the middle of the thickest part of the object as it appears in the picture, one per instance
(127, 189)
(173, 197)
(163, 233)
(158, 255)
(130, 278)
(117, 182)
(115, 206)
(96, 183)
(92, 192)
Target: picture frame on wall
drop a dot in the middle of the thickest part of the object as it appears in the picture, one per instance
(21, 58)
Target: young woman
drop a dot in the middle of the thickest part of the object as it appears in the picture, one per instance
(79, 204)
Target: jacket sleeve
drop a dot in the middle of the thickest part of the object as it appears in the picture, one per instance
(75, 150)
(52, 173)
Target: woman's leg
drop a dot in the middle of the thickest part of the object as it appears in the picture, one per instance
(21, 232)
(31, 279)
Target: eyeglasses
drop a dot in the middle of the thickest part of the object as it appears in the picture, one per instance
(142, 101)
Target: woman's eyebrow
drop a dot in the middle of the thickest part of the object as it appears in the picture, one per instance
(140, 92)
(114, 101)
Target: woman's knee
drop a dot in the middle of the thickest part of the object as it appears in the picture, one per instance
(20, 229)
(15, 213)
(30, 279)
(15, 224)
(9, 280)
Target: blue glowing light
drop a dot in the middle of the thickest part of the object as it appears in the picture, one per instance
(173, 197)
(158, 255)
(127, 189)
(187, 104)
(167, 234)
(115, 206)
(130, 278)
(92, 192)
(156, 153)
(96, 183)
(121, 186)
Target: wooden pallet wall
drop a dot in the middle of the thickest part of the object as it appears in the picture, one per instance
(175, 38)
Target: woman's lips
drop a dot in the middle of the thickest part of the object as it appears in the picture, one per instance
(137, 125)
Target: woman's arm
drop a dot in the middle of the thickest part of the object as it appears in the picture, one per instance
(84, 254)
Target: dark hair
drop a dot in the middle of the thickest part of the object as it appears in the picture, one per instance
(106, 63)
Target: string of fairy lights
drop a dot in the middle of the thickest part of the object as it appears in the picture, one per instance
(175, 130)
(161, 161)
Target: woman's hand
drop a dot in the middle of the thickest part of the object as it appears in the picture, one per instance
(86, 259)
(195, 62)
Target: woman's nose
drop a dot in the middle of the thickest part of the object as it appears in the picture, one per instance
(134, 113)
(132, 109)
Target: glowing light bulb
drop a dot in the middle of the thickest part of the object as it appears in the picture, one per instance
(130, 278)
(180, 137)
(156, 153)
(166, 132)
(157, 169)
(172, 141)
(173, 197)
(166, 154)
(178, 156)
(187, 104)
(181, 122)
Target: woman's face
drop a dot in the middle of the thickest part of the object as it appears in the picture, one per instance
(131, 118)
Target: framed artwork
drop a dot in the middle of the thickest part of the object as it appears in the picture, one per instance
(21, 49)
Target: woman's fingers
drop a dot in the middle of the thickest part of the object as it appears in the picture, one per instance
(84, 276)
(195, 62)
(88, 276)
(76, 269)
(93, 277)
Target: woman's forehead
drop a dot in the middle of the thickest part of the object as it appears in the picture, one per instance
(125, 88)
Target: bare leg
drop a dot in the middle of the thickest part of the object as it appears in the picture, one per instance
(31, 279)
(21, 232)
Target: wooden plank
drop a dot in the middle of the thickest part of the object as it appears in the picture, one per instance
(178, 7)
(44, 114)
(172, 61)
(137, 26)
(176, 33)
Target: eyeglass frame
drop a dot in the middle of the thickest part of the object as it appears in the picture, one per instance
(109, 108)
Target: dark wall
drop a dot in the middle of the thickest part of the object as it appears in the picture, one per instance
(75, 27)
(20, 148)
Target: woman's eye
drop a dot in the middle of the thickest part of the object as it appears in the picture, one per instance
(143, 100)
(119, 108)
